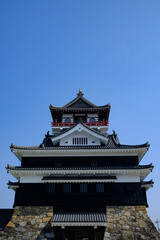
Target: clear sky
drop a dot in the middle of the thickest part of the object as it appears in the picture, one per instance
(50, 49)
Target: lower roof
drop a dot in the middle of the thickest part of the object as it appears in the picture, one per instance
(79, 168)
(79, 219)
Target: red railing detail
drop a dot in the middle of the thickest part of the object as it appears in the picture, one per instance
(70, 124)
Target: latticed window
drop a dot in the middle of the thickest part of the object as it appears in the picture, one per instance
(80, 141)
(83, 187)
(67, 120)
(67, 187)
(100, 187)
(51, 188)
(58, 164)
(92, 119)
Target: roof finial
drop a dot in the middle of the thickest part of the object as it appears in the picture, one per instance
(80, 93)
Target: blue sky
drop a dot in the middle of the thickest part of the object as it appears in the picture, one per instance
(50, 49)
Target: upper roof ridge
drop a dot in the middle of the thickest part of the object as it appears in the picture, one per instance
(79, 97)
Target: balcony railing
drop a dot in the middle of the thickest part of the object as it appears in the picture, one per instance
(70, 124)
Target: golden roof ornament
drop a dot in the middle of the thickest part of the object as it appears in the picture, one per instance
(80, 93)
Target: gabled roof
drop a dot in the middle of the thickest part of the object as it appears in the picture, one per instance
(80, 127)
(79, 103)
(74, 126)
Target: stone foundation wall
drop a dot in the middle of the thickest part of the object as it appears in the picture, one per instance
(123, 223)
(28, 223)
(129, 223)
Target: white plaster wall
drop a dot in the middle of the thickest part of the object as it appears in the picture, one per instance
(81, 134)
(120, 178)
(128, 178)
(92, 115)
(31, 179)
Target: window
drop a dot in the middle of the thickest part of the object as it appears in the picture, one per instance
(67, 120)
(92, 120)
(58, 164)
(100, 187)
(51, 188)
(67, 187)
(83, 187)
(94, 164)
(80, 141)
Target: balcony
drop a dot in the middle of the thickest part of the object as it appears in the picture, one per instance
(70, 124)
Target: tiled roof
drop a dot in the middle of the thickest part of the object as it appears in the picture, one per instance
(13, 183)
(79, 217)
(76, 110)
(81, 98)
(83, 168)
(5, 216)
(75, 100)
(113, 144)
(147, 182)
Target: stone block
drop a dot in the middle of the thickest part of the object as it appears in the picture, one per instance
(110, 225)
(49, 214)
(125, 227)
(46, 219)
(142, 224)
(127, 235)
(10, 224)
(23, 223)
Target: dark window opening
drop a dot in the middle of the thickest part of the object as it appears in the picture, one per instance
(83, 187)
(80, 141)
(100, 187)
(58, 164)
(51, 188)
(67, 187)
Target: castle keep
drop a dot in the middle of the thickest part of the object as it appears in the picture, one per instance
(80, 183)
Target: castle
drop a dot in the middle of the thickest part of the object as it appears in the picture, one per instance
(80, 183)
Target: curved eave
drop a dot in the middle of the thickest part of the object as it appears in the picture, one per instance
(61, 109)
(79, 97)
(67, 108)
(13, 186)
(18, 172)
(147, 185)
